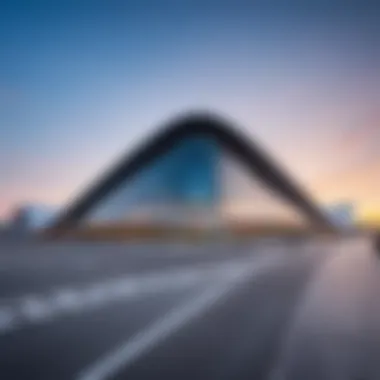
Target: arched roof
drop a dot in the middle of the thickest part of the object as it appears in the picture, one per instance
(247, 151)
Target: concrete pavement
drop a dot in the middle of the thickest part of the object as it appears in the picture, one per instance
(144, 311)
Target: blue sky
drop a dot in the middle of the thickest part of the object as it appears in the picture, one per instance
(83, 81)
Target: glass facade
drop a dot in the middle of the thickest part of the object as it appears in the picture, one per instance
(246, 199)
(179, 187)
(194, 184)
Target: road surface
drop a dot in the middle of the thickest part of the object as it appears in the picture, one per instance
(270, 309)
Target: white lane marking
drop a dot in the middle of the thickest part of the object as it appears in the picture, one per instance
(6, 318)
(171, 322)
(147, 339)
(66, 299)
(34, 308)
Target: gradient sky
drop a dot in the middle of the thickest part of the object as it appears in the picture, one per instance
(83, 81)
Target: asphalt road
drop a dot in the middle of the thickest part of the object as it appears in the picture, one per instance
(269, 309)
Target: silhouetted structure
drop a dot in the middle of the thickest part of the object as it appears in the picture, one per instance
(196, 174)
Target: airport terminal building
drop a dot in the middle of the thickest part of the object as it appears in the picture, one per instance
(197, 175)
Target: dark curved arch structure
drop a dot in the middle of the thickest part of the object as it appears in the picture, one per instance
(255, 159)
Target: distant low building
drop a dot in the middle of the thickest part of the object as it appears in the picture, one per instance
(31, 217)
(342, 214)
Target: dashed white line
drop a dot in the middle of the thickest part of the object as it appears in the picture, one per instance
(66, 299)
(39, 308)
(154, 334)
(34, 308)
(161, 329)
(6, 318)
